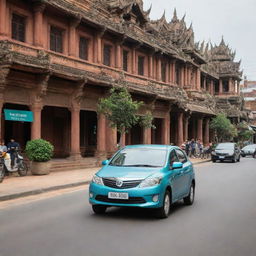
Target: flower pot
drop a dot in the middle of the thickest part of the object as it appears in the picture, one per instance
(40, 168)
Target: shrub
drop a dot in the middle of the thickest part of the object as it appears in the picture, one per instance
(39, 150)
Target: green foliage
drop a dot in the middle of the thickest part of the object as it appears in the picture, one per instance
(244, 134)
(121, 110)
(146, 121)
(39, 150)
(225, 131)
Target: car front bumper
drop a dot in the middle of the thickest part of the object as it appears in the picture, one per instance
(138, 197)
(222, 158)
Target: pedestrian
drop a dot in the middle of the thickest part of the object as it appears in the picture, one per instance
(3, 148)
(193, 148)
(187, 148)
(12, 148)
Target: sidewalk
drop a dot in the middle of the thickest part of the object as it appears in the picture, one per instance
(16, 187)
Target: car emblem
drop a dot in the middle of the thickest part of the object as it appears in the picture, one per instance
(119, 183)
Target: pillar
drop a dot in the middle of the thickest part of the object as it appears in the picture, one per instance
(101, 135)
(1, 116)
(146, 135)
(36, 108)
(173, 72)
(150, 67)
(166, 130)
(3, 11)
(158, 73)
(98, 49)
(118, 56)
(220, 87)
(111, 141)
(134, 71)
(185, 128)
(72, 45)
(198, 79)
(200, 129)
(75, 132)
(38, 24)
(185, 76)
(206, 131)
(180, 129)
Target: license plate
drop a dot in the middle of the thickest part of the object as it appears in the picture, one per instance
(116, 195)
(222, 157)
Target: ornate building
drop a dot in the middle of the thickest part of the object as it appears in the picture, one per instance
(57, 58)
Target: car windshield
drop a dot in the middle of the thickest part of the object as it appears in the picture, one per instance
(140, 157)
(225, 146)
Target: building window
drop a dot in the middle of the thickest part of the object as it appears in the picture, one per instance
(107, 55)
(56, 39)
(18, 27)
(225, 86)
(177, 75)
(83, 48)
(163, 71)
(141, 65)
(125, 60)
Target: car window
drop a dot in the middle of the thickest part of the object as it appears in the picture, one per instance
(173, 157)
(181, 156)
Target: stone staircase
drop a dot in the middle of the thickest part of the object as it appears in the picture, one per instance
(69, 164)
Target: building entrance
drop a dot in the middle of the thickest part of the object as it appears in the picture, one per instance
(17, 130)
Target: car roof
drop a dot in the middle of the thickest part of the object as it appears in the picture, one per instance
(152, 146)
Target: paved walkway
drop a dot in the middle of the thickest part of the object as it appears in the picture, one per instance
(15, 187)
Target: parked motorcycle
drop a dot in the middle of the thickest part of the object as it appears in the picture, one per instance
(5, 165)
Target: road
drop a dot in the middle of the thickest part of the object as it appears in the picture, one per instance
(222, 222)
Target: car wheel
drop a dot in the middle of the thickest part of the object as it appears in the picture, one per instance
(163, 212)
(238, 160)
(214, 161)
(234, 160)
(189, 200)
(242, 155)
(99, 209)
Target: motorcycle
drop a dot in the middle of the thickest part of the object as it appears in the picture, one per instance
(5, 165)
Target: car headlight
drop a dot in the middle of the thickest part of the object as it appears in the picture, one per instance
(150, 182)
(97, 180)
(213, 153)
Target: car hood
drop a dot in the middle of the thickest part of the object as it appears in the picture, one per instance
(127, 172)
(226, 151)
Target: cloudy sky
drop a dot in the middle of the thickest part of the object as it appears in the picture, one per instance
(235, 20)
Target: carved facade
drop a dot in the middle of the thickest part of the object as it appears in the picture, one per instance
(183, 83)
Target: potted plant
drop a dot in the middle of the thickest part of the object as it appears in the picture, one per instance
(39, 151)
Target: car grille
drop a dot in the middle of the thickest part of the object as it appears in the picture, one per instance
(111, 182)
(131, 200)
(222, 154)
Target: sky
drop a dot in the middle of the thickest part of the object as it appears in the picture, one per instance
(234, 20)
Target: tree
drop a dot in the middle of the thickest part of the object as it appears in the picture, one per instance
(224, 129)
(244, 134)
(121, 110)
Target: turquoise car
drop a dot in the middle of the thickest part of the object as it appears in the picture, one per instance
(147, 176)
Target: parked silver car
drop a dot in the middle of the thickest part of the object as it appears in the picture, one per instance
(248, 150)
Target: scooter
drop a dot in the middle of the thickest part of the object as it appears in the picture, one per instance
(5, 165)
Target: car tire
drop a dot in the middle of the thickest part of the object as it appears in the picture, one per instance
(214, 161)
(189, 200)
(243, 155)
(238, 159)
(234, 160)
(163, 212)
(99, 209)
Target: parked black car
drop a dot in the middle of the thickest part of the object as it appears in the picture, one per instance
(248, 150)
(226, 151)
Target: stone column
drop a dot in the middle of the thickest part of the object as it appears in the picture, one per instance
(3, 21)
(173, 72)
(72, 39)
(134, 70)
(75, 132)
(220, 87)
(101, 136)
(206, 131)
(186, 128)
(150, 67)
(118, 56)
(180, 129)
(185, 76)
(98, 47)
(146, 135)
(111, 141)
(36, 108)
(158, 73)
(200, 128)
(198, 79)
(38, 24)
(166, 130)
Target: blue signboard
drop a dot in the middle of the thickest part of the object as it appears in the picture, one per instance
(18, 115)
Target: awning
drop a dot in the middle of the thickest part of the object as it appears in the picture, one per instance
(200, 109)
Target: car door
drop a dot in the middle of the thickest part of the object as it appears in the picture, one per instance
(175, 177)
(186, 172)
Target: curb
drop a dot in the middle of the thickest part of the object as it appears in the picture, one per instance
(202, 162)
(42, 190)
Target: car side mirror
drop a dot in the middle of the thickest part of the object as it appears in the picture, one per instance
(177, 165)
(105, 162)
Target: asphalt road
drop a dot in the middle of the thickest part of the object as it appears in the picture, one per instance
(222, 222)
